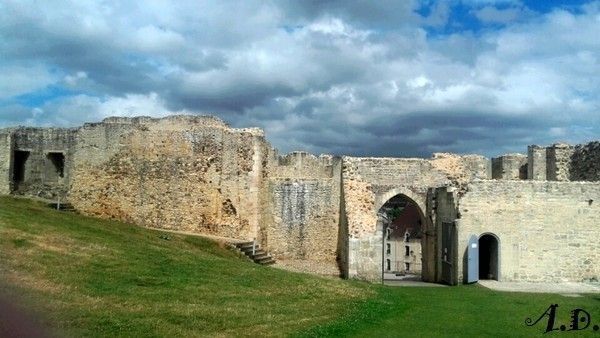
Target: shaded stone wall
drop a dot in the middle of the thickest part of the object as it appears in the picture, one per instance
(183, 173)
(558, 162)
(535, 244)
(41, 177)
(305, 198)
(443, 208)
(510, 167)
(5, 160)
(536, 163)
(563, 162)
(585, 162)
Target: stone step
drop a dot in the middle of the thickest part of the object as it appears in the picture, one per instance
(62, 207)
(248, 251)
(263, 259)
(267, 262)
(260, 255)
(255, 253)
(246, 245)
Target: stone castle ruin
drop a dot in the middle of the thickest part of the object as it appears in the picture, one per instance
(533, 217)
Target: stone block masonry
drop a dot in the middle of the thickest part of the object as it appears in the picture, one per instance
(6, 148)
(547, 231)
(584, 162)
(510, 167)
(305, 198)
(181, 173)
(536, 163)
(36, 162)
(196, 174)
(369, 182)
(558, 162)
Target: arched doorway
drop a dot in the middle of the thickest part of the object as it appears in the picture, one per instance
(488, 257)
(401, 221)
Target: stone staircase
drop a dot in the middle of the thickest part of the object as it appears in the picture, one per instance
(255, 253)
(62, 207)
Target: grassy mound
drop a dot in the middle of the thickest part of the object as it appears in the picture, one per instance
(91, 277)
(105, 278)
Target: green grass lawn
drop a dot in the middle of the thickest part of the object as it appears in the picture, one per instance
(92, 277)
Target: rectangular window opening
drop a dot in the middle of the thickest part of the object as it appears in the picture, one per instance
(20, 159)
(57, 168)
(407, 265)
(407, 249)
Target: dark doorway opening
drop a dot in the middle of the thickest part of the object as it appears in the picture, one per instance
(20, 159)
(56, 167)
(488, 257)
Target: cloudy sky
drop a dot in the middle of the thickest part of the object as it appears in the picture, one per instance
(384, 78)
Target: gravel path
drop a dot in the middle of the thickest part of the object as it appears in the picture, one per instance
(567, 288)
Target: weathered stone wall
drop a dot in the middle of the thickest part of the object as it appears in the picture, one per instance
(305, 203)
(558, 162)
(585, 162)
(194, 173)
(443, 208)
(510, 167)
(535, 244)
(369, 182)
(536, 163)
(187, 173)
(41, 178)
(5, 160)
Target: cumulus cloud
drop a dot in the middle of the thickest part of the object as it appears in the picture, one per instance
(344, 77)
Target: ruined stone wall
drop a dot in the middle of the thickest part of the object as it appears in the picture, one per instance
(305, 203)
(5, 161)
(369, 182)
(187, 173)
(536, 163)
(535, 244)
(585, 162)
(510, 167)
(443, 208)
(558, 162)
(41, 177)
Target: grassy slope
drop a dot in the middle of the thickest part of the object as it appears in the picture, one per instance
(97, 277)
(102, 278)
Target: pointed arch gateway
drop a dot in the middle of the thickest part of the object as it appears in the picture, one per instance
(401, 221)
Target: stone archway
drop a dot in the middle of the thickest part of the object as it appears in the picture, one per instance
(489, 257)
(381, 199)
(401, 222)
(365, 247)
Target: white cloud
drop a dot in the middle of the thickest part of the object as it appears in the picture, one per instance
(335, 77)
(419, 82)
(22, 79)
(75, 110)
(72, 80)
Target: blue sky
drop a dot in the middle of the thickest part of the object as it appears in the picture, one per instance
(381, 78)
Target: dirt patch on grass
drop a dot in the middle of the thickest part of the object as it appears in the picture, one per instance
(30, 244)
(26, 281)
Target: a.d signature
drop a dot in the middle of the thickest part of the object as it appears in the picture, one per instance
(580, 320)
